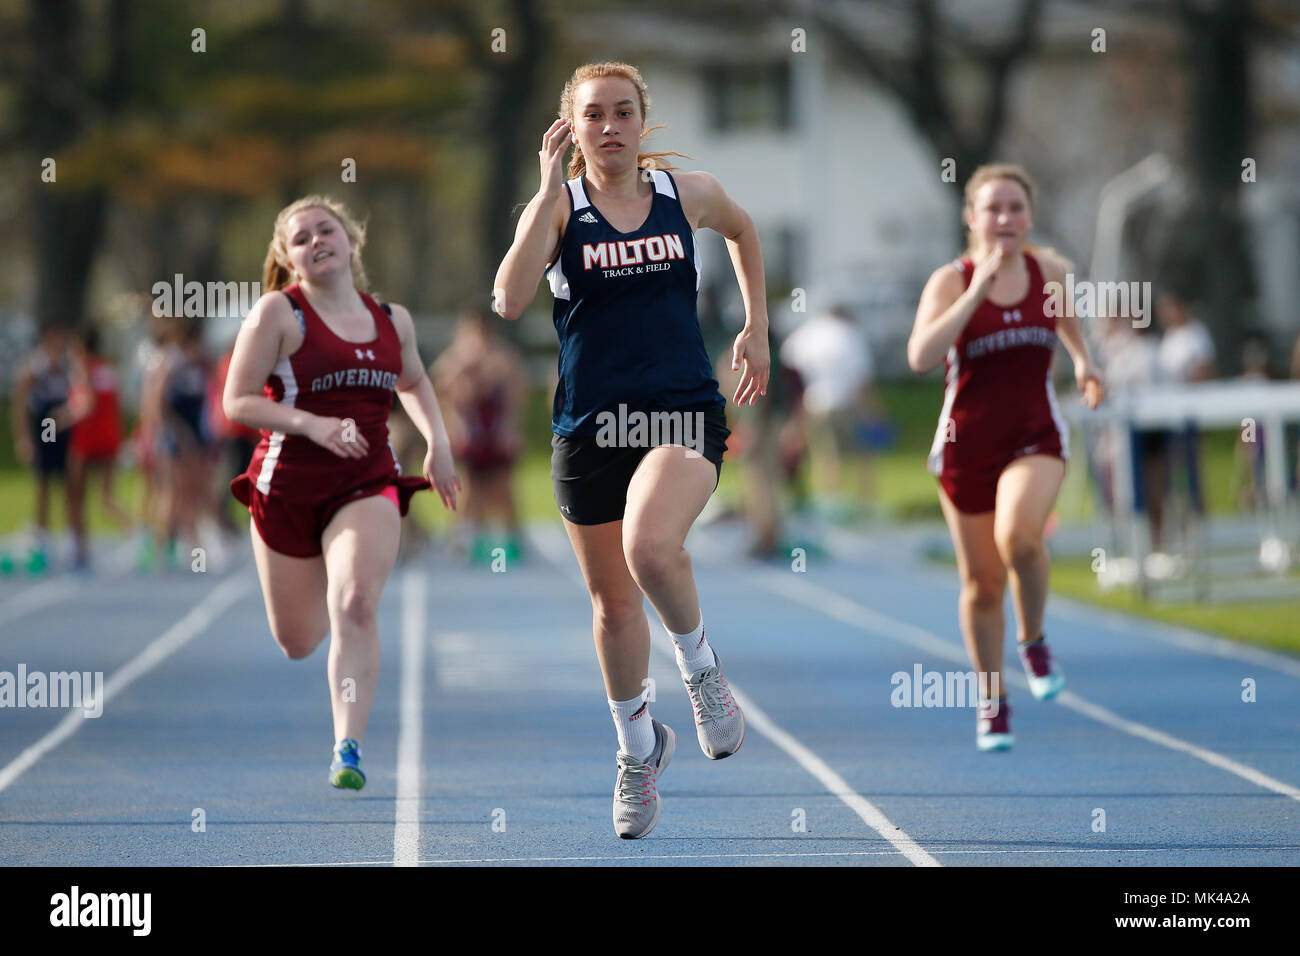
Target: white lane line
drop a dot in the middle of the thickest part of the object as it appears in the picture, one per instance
(1072, 609)
(1111, 719)
(833, 604)
(42, 595)
(198, 619)
(406, 828)
(755, 716)
(832, 781)
(640, 858)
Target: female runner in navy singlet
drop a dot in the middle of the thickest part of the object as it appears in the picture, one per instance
(1000, 449)
(314, 367)
(617, 244)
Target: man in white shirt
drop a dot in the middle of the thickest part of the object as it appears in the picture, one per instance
(1186, 349)
(832, 356)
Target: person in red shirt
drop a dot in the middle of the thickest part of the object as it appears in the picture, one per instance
(97, 435)
(1000, 449)
(483, 380)
(314, 368)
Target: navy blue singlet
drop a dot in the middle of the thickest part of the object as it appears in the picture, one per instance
(625, 313)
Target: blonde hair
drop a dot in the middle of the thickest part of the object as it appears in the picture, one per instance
(596, 71)
(986, 174)
(276, 271)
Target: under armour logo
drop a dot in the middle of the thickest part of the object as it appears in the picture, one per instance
(587, 217)
(368, 353)
(1012, 316)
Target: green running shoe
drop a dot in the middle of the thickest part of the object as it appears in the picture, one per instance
(345, 771)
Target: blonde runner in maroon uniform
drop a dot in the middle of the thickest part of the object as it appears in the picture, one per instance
(315, 367)
(999, 451)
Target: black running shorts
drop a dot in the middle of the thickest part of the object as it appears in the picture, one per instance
(591, 475)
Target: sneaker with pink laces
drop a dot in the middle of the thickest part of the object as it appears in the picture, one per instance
(1044, 682)
(719, 721)
(636, 792)
(993, 725)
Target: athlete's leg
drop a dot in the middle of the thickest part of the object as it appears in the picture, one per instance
(1027, 491)
(983, 583)
(294, 592)
(192, 473)
(667, 493)
(42, 503)
(360, 547)
(77, 479)
(74, 489)
(618, 620)
(500, 499)
(111, 507)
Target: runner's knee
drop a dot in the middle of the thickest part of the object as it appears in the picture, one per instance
(1019, 548)
(984, 587)
(651, 557)
(354, 603)
(614, 612)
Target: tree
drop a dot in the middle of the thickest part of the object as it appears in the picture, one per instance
(63, 98)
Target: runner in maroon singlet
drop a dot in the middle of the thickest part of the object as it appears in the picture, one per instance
(999, 451)
(314, 367)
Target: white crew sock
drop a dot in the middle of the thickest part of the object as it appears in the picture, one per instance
(693, 650)
(636, 735)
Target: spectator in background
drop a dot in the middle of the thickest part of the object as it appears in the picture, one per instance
(1186, 355)
(1248, 460)
(1130, 357)
(483, 381)
(770, 439)
(97, 437)
(179, 398)
(150, 356)
(833, 359)
(42, 425)
(1186, 349)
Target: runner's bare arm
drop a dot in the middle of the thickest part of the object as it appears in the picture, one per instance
(707, 206)
(537, 237)
(258, 348)
(1069, 329)
(943, 312)
(414, 390)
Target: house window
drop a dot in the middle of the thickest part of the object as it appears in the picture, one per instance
(751, 97)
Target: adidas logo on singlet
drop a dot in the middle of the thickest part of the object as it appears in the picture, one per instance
(587, 217)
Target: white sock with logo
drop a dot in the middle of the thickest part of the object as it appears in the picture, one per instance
(693, 650)
(636, 735)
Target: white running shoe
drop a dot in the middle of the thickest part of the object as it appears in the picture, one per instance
(719, 722)
(636, 792)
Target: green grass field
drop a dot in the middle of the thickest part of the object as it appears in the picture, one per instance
(1266, 623)
(904, 489)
